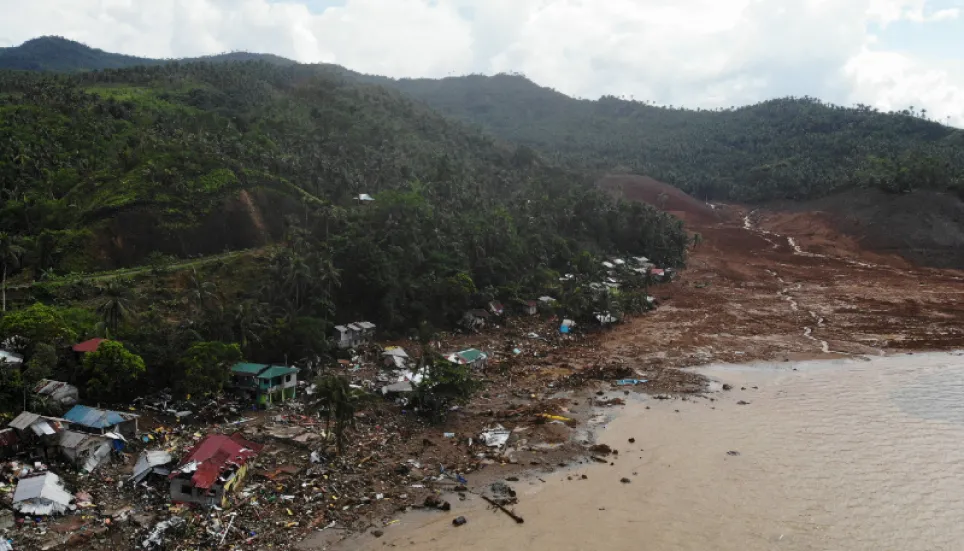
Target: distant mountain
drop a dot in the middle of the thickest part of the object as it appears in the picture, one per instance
(52, 53)
(787, 148)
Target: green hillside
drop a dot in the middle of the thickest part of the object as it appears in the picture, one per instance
(789, 148)
(110, 169)
(52, 53)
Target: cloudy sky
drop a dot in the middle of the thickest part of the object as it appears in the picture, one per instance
(892, 54)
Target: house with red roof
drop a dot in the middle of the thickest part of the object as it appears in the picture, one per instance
(88, 346)
(209, 472)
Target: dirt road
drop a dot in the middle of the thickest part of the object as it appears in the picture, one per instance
(781, 286)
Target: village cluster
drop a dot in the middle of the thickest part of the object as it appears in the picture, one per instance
(49, 462)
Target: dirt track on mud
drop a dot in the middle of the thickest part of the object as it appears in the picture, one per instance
(777, 286)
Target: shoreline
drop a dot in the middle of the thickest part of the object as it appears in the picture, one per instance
(567, 483)
(680, 469)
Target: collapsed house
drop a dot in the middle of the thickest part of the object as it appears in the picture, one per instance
(41, 495)
(265, 384)
(354, 334)
(475, 319)
(58, 391)
(38, 431)
(152, 462)
(103, 421)
(215, 467)
(86, 451)
(471, 357)
(395, 357)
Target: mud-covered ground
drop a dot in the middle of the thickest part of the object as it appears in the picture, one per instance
(786, 285)
(761, 285)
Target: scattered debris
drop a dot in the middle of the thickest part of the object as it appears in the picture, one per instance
(459, 521)
(42, 495)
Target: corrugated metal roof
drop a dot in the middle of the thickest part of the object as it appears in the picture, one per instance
(213, 455)
(60, 391)
(468, 356)
(97, 418)
(41, 495)
(72, 439)
(88, 346)
(396, 351)
(24, 420)
(277, 371)
(245, 368)
(148, 462)
(366, 325)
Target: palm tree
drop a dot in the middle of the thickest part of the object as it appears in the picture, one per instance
(340, 402)
(200, 292)
(10, 253)
(116, 306)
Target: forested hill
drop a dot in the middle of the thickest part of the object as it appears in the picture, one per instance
(52, 53)
(791, 148)
(111, 168)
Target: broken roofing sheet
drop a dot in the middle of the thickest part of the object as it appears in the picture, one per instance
(214, 454)
(152, 461)
(39, 424)
(41, 495)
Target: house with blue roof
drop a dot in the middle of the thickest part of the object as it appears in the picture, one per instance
(102, 421)
(264, 383)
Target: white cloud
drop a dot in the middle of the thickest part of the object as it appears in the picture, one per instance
(705, 53)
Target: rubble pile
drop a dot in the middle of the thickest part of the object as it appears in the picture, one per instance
(283, 477)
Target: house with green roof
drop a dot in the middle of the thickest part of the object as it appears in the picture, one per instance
(266, 384)
(470, 357)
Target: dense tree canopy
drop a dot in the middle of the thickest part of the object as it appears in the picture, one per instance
(154, 166)
(789, 148)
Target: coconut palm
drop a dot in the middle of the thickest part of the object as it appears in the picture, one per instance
(339, 402)
(116, 306)
(10, 253)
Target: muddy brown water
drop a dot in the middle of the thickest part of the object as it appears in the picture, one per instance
(848, 454)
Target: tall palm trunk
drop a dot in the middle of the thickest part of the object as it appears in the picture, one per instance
(3, 287)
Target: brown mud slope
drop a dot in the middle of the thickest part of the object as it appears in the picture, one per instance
(647, 190)
(925, 227)
(776, 286)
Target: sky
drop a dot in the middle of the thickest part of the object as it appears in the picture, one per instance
(890, 54)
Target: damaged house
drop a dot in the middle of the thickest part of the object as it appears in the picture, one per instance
(42, 495)
(38, 431)
(354, 334)
(87, 451)
(475, 319)
(395, 357)
(59, 392)
(103, 421)
(471, 357)
(152, 462)
(215, 467)
(265, 384)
